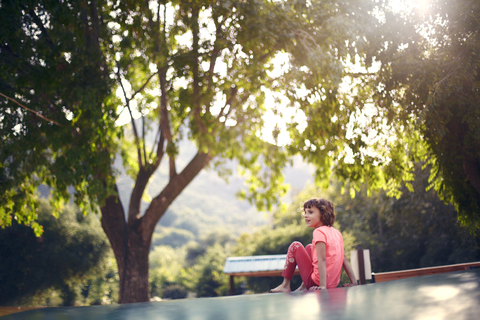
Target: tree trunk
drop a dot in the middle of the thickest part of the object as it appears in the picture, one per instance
(131, 241)
(131, 252)
(471, 166)
(134, 285)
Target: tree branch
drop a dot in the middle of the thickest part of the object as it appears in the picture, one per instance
(164, 121)
(42, 28)
(197, 103)
(143, 141)
(160, 151)
(141, 181)
(143, 86)
(96, 35)
(145, 172)
(214, 55)
(32, 111)
(359, 74)
(228, 103)
(134, 127)
(175, 186)
(173, 169)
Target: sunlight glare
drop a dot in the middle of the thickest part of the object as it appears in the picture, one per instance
(440, 293)
(409, 5)
(281, 63)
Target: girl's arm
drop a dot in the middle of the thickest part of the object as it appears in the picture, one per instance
(349, 271)
(322, 264)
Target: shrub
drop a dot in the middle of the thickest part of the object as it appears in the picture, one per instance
(174, 292)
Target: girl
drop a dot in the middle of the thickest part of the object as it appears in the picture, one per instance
(320, 264)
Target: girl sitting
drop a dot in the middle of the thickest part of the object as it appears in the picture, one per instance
(320, 264)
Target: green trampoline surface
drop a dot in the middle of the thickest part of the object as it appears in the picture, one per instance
(453, 295)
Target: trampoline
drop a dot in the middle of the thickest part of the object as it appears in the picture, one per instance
(454, 295)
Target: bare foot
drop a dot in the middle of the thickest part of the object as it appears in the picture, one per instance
(301, 288)
(281, 288)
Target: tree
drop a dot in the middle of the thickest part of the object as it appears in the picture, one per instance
(211, 281)
(197, 266)
(210, 65)
(69, 249)
(194, 69)
(415, 100)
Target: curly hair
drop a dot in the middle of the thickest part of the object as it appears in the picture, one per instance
(327, 210)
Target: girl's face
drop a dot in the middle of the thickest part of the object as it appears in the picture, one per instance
(312, 217)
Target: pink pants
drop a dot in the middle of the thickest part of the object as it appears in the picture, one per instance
(301, 256)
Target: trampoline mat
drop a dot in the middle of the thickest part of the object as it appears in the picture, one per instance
(454, 295)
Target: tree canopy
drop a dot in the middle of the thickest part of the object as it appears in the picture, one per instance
(57, 112)
(191, 69)
(415, 99)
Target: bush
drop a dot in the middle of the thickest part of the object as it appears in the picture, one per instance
(70, 249)
(174, 292)
(211, 281)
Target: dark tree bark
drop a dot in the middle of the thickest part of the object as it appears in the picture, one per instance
(471, 166)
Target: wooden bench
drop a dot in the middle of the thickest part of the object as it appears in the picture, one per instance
(396, 275)
(254, 266)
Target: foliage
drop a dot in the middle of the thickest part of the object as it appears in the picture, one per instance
(166, 264)
(417, 230)
(70, 249)
(174, 292)
(211, 281)
(204, 263)
(196, 267)
(414, 100)
(195, 250)
(173, 237)
(437, 74)
(98, 286)
(101, 285)
(57, 114)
